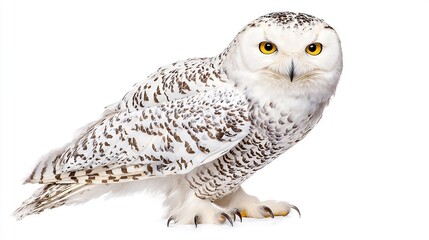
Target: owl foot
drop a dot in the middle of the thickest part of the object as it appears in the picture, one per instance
(250, 207)
(222, 218)
(199, 211)
(268, 209)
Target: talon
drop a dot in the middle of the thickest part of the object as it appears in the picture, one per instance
(169, 220)
(236, 212)
(227, 217)
(268, 210)
(196, 221)
(296, 209)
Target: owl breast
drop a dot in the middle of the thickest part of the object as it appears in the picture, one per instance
(276, 127)
(284, 124)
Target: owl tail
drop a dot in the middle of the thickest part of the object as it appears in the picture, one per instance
(47, 197)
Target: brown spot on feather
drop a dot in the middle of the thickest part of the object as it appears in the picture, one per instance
(189, 148)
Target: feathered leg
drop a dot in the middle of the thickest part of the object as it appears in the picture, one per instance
(184, 207)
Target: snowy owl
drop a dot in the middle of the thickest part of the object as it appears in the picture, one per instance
(195, 130)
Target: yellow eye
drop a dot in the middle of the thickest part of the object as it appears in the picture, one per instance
(314, 49)
(267, 48)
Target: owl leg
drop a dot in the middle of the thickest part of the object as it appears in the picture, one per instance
(251, 207)
(186, 208)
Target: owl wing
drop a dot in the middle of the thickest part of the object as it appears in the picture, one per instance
(178, 80)
(173, 137)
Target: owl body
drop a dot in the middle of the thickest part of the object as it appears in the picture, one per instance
(274, 129)
(202, 126)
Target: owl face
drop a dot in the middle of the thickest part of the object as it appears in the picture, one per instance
(301, 56)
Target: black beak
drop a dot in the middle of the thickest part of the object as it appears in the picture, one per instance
(291, 72)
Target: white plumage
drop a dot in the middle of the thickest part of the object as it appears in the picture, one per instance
(196, 129)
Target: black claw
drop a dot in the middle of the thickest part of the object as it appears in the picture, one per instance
(227, 217)
(169, 220)
(268, 210)
(296, 209)
(236, 212)
(196, 221)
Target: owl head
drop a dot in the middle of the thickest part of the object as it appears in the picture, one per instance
(286, 54)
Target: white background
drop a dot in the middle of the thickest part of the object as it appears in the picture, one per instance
(361, 174)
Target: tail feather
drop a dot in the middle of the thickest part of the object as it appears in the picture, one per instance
(47, 197)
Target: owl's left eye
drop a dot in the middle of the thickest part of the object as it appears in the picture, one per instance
(314, 49)
(267, 47)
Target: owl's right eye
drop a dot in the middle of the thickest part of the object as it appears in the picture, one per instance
(267, 47)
